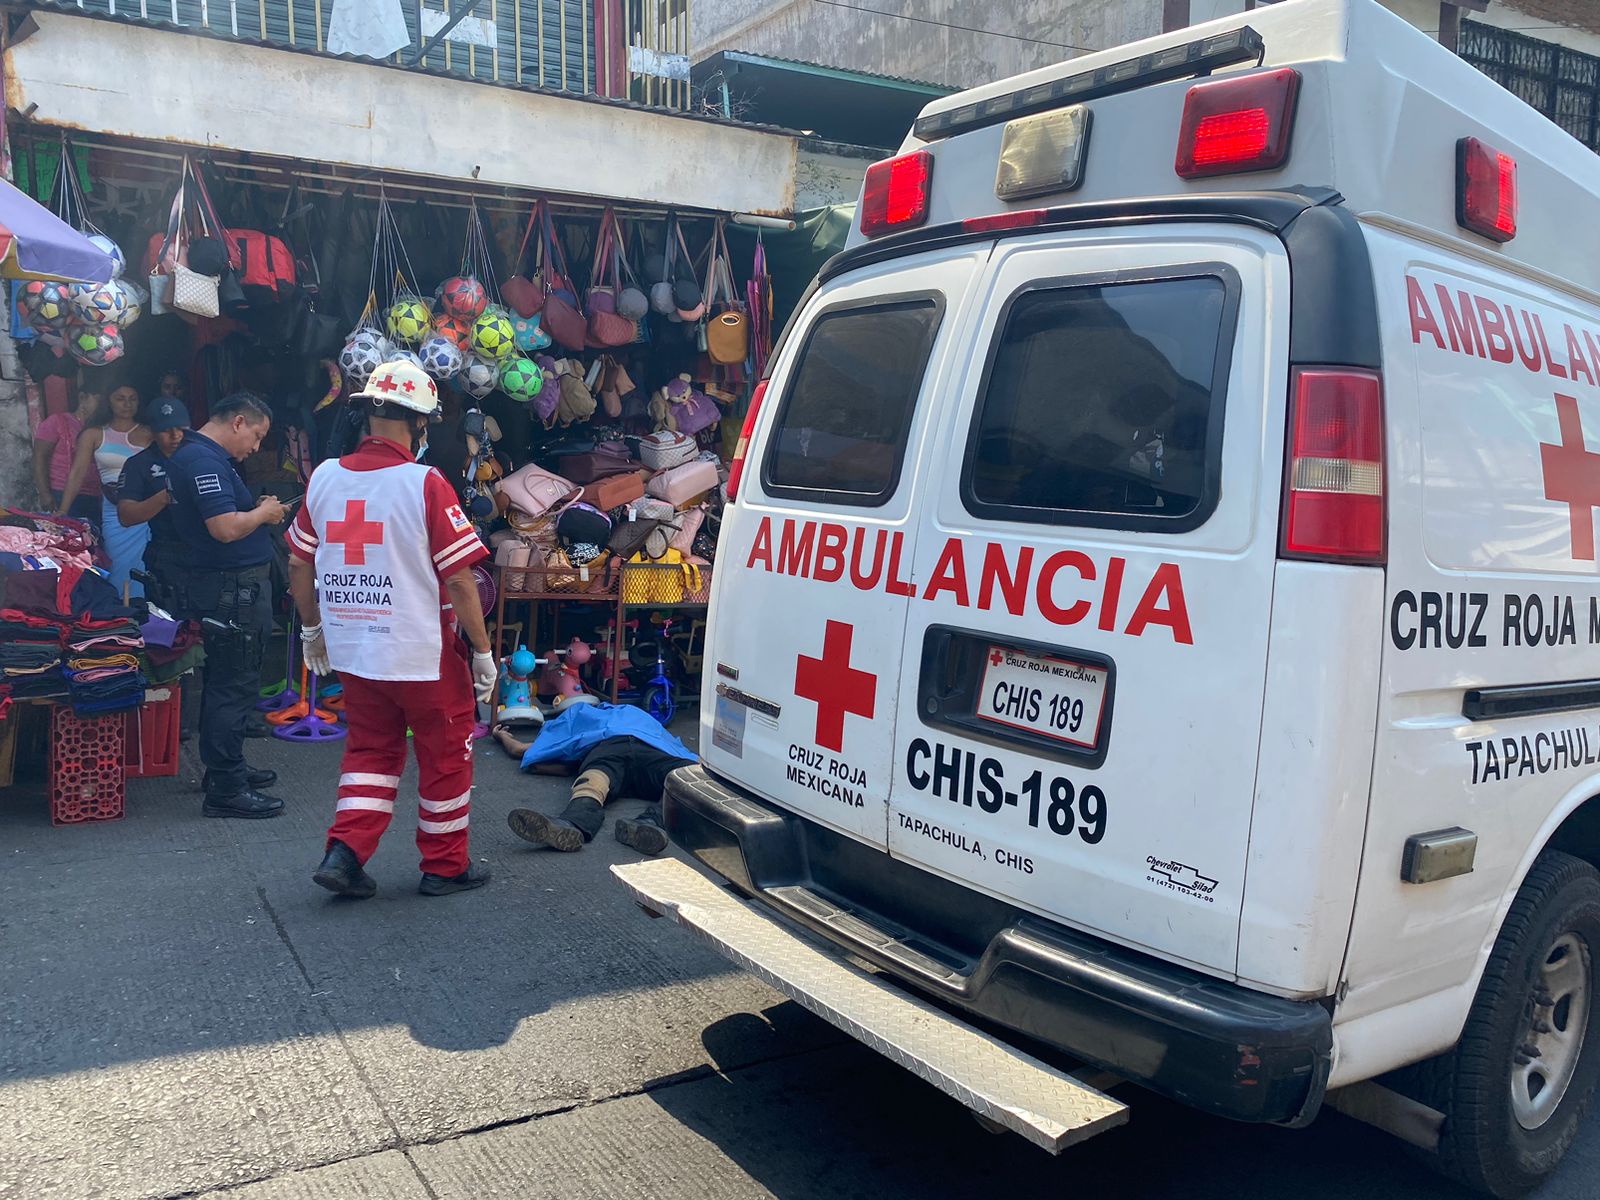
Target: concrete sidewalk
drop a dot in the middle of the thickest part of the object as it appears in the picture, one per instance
(183, 1011)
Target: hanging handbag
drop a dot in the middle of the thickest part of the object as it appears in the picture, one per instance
(523, 293)
(688, 298)
(607, 327)
(563, 318)
(194, 293)
(632, 303)
(728, 331)
(662, 300)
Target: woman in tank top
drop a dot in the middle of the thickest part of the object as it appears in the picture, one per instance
(106, 446)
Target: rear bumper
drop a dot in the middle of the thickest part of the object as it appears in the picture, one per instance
(1213, 1045)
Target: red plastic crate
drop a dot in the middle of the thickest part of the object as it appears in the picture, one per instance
(151, 733)
(87, 780)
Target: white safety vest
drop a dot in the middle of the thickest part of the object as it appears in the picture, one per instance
(375, 576)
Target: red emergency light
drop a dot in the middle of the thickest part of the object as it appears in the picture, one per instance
(1333, 495)
(1231, 126)
(896, 194)
(1486, 190)
(742, 447)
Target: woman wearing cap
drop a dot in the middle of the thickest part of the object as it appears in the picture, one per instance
(106, 447)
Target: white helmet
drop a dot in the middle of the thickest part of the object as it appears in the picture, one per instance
(403, 383)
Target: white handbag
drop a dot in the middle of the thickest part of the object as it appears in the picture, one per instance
(194, 293)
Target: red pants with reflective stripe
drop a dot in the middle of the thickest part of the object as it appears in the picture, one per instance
(440, 714)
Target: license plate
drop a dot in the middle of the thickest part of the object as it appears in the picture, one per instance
(1055, 698)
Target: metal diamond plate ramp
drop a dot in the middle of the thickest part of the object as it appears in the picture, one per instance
(996, 1081)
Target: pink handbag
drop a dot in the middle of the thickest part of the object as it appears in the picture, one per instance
(683, 539)
(682, 484)
(534, 491)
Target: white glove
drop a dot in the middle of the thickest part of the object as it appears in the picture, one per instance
(485, 670)
(315, 648)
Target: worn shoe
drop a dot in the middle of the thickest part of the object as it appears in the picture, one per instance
(541, 830)
(255, 779)
(644, 836)
(341, 872)
(249, 804)
(475, 876)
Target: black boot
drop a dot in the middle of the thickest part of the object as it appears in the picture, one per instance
(643, 835)
(555, 832)
(250, 804)
(255, 779)
(475, 876)
(341, 872)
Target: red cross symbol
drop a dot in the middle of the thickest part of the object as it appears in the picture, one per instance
(1572, 476)
(410, 385)
(996, 658)
(386, 384)
(355, 533)
(836, 686)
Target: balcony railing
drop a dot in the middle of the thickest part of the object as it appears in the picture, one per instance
(627, 49)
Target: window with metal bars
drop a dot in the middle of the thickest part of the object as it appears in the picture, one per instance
(1563, 84)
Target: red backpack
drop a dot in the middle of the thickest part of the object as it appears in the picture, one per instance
(265, 266)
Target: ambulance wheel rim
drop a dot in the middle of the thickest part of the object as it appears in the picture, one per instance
(1552, 1044)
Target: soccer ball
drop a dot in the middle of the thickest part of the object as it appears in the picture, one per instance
(441, 357)
(409, 356)
(133, 300)
(118, 262)
(46, 305)
(464, 296)
(408, 320)
(478, 377)
(457, 330)
(98, 303)
(492, 336)
(95, 345)
(363, 354)
(522, 379)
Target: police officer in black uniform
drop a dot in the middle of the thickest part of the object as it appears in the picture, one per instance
(226, 586)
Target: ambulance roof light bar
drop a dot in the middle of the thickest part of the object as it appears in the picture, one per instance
(1184, 61)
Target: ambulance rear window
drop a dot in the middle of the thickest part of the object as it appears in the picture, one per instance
(840, 436)
(1103, 406)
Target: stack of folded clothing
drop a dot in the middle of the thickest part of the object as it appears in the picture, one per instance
(171, 649)
(102, 666)
(30, 655)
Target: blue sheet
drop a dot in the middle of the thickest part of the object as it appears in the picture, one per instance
(575, 731)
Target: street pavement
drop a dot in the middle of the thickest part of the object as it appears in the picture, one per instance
(182, 1013)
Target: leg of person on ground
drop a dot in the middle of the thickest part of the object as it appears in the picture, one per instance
(369, 781)
(647, 779)
(620, 766)
(443, 715)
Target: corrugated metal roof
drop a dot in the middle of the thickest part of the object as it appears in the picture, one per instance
(744, 56)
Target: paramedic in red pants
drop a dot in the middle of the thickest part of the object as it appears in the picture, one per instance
(380, 569)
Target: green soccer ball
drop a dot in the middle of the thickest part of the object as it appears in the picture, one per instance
(492, 336)
(408, 320)
(522, 379)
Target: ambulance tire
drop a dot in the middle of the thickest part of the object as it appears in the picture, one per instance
(1484, 1144)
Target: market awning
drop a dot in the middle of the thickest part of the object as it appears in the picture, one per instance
(37, 244)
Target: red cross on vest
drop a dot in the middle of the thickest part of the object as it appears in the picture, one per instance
(1572, 476)
(355, 533)
(836, 686)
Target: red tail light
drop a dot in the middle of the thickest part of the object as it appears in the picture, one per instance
(1333, 498)
(1231, 126)
(736, 469)
(1486, 190)
(896, 194)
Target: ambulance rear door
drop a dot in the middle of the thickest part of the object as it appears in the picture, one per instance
(815, 557)
(1083, 667)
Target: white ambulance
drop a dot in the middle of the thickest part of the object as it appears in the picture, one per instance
(1156, 634)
